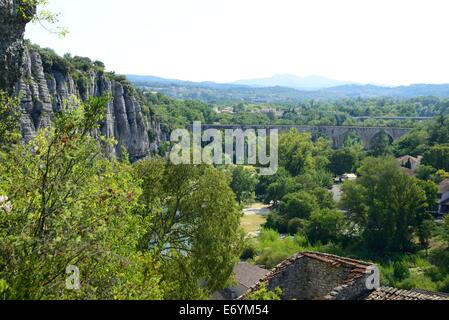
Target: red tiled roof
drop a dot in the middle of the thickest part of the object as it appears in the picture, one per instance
(387, 293)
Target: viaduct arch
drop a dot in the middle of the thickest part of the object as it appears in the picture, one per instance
(337, 134)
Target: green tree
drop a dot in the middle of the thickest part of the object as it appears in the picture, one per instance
(244, 182)
(325, 225)
(298, 205)
(194, 225)
(430, 188)
(278, 186)
(67, 204)
(413, 143)
(296, 152)
(324, 197)
(296, 225)
(386, 203)
(424, 172)
(425, 232)
(437, 157)
(9, 120)
(439, 130)
(342, 161)
(353, 140)
(277, 222)
(317, 178)
(381, 145)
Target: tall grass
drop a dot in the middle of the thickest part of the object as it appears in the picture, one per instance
(407, 271)
(271, 248)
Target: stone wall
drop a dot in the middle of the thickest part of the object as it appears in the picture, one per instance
(350, 291)
(309, 279)
(318, 276)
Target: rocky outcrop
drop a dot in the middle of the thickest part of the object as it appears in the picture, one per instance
(12, 29)
(46, 92)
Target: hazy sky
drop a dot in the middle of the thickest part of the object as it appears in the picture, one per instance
(378, 41)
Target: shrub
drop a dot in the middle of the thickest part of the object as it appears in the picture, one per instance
(264, 294)
(443, 285)
(417, 281)
(277, 222)
(296, 225)
(249, 252)
(273, 249)
(400, 270)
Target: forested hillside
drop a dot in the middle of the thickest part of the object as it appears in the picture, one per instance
(210, 92)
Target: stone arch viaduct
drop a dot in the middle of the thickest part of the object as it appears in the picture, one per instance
(337, 134)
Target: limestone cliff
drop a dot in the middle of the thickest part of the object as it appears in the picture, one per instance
(12, 29)
(47, 84)
(45, 89)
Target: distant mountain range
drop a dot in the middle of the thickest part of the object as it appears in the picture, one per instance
(311, 83)
(282, 89)
(158, 80)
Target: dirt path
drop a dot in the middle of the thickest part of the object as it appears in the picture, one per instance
(254, 217)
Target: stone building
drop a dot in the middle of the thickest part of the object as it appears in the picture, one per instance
(410, 162)
(319, 276)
